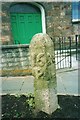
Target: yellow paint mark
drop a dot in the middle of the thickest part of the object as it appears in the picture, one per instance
(15, 72)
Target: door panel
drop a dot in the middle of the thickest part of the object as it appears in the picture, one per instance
(29, 26)
(25, 26)
(37, 23)
(14, 28)
(21, 28)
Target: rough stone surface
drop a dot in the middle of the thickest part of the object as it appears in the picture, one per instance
(43, 69)
(14, 60)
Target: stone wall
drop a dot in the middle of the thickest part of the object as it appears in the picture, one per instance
(14, 60)
(58, 20)
(5, 26)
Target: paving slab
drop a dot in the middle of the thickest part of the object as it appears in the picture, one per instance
(67, 82)
(28, 85)
(11, 84)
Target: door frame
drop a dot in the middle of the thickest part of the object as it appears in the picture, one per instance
(42, 16)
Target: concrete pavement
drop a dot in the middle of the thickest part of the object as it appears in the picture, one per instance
(17, 85)
(67, 82)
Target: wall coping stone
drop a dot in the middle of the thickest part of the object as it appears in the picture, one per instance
(14, 46)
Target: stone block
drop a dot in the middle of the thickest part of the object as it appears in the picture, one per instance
(43, 69)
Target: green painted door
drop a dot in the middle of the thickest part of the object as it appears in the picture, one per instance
(24, 26)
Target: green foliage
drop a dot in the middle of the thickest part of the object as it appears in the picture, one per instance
(30, 102)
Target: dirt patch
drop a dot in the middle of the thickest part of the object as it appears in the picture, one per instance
(23, 107)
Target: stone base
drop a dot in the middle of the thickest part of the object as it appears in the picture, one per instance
(46, 101)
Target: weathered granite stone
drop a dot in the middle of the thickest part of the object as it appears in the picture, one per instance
(43, 69)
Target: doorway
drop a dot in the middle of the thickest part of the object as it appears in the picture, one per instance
(26, 21)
